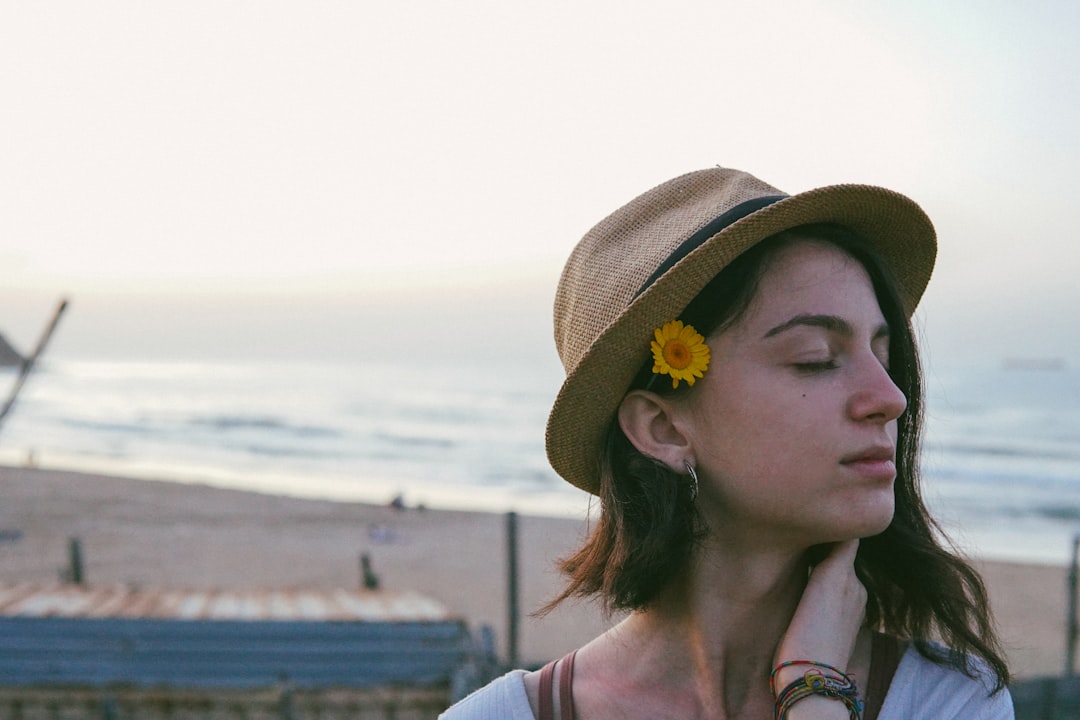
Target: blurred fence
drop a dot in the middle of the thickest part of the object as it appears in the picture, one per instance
(272, 704)
(83, 653)
(1047, 698)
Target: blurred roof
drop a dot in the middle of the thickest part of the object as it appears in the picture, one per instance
(299, 604)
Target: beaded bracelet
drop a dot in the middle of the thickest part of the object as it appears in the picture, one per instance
(813, 682)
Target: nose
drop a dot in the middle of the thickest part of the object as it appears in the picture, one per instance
(876, 397)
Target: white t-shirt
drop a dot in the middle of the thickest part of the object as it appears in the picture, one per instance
(920, 690)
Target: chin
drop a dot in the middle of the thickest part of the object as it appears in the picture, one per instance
(877, 528)
(868, 520)
(876, 520)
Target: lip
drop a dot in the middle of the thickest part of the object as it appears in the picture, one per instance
(875, 463)
(878, 453)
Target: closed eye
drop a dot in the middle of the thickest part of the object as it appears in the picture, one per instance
(817, 366)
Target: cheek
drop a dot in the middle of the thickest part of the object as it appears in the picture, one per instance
(755, 441)
(755, 445)
(758, 431)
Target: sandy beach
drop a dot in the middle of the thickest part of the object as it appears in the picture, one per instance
(162, 534)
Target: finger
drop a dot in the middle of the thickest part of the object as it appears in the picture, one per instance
(844, 552)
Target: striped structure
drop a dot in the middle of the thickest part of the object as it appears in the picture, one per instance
(75, 636)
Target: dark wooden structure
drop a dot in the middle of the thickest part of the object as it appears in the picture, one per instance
(114, 642)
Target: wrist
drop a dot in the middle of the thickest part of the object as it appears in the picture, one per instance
(817, 708)
(816, 688)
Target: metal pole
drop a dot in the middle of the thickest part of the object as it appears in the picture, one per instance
(1073, 631)
(512, 588)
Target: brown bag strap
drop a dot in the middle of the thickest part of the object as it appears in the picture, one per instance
(547, 694)
(547, 673)
(566, 692)
(885, 655)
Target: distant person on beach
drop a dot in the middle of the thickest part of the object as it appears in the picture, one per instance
(743, 395)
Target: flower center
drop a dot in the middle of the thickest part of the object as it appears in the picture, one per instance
(677, 354)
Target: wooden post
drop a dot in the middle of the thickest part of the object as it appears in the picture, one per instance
(286, 703)
(368, 579)
(75, 561)
(1072, 631)
(512, 600)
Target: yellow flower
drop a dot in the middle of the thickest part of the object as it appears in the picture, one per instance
(680, 351)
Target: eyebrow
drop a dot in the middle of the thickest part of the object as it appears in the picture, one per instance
(832, 323)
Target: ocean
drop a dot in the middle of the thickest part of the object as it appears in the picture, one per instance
(1001, 458)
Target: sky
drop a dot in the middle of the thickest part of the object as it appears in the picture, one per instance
(322, 179)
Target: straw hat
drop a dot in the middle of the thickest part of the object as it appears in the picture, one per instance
(642, 265)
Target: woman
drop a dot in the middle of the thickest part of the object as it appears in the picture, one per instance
(743, 395)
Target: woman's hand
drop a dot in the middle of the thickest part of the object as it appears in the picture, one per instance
(825, 625)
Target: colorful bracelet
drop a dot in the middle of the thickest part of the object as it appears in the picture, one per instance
(813, 682)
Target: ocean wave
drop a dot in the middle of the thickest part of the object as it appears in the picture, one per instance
(228, 423)
(415, 441)
(1000, 450)
(112, 428)
(1065, 513)
(434, 413)
(283, 451)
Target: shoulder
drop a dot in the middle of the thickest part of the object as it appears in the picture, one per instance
(921, 685)
(502, 699)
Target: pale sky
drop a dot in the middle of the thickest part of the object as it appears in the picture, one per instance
(182, 170)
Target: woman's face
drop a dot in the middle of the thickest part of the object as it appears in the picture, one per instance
(793, 428)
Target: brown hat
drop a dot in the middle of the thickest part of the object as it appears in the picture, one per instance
(642, 265)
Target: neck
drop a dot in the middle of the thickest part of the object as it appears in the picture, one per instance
(714, 634)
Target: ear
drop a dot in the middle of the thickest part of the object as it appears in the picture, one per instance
(649, 422)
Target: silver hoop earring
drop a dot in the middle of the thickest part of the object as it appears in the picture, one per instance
(693, 477)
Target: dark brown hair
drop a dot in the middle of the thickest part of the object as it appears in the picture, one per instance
(918, 586)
